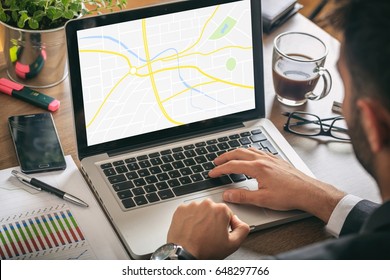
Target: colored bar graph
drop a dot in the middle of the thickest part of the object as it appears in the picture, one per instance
(40, 233)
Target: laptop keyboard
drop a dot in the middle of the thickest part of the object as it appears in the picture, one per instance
(159, 176)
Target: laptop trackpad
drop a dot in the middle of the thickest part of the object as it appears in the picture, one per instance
(252, 215)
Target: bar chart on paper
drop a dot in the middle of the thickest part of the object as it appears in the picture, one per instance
(47, 233)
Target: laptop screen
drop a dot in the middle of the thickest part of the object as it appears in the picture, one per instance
(167, 68)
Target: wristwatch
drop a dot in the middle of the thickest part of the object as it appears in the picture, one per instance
(171, 251)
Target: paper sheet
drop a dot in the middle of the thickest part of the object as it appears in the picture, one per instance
(39, 225)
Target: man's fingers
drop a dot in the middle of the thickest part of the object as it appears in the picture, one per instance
(237, 154)
(240, 196)
(236, 167)
(239, 232)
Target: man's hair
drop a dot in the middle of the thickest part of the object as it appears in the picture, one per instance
(365, 26)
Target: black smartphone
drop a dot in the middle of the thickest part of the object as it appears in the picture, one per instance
(36, 141)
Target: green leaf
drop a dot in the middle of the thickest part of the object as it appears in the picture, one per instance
(33, 23)
(22, 19)
(54, 13)
(69, 14)
(38, 15)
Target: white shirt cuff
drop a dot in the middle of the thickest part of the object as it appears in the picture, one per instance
(340, 213)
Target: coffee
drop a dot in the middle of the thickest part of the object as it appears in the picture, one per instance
(294, 79)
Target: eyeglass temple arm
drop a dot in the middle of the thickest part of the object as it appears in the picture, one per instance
(306, 121)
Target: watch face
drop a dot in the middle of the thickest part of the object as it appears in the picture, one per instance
(164, 252)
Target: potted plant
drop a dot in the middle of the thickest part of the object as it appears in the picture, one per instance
(34, 36)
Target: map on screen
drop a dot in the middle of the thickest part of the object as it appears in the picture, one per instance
(154, 73)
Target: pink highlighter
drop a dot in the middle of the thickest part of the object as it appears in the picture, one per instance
(26, 94)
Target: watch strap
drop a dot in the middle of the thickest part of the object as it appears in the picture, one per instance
(182, 254)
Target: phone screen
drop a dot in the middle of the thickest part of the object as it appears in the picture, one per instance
(36, 142)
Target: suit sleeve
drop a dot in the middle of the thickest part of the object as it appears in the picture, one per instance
(357, 216)
(340, 213)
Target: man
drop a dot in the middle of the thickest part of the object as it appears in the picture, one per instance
(202, 229)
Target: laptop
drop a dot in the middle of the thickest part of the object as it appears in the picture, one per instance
(158, 93)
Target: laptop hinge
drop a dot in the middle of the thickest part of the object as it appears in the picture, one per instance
(165, 141)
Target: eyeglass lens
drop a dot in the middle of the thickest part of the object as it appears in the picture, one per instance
(305, 124)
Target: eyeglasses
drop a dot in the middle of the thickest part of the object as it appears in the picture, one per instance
(306, 124)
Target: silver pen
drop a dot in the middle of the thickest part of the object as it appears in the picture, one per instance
(39, 185)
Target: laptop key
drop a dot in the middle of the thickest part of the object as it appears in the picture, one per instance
(154, 155)
(190, 153)
(234, 143)
(132, 175)
(138, 191)
(196, 177)
(256, 131)
(166, 152)
(173, 183)
(267, 144)
(211, 156)
(162, 186)
(150, 188)
(211, 141)
(139, 182)
(178, 164)
(121, 169)
(123, 186)
(128, 203)
(197, 168)
(208, 165)
(165, 194)
(189, 162)
(245, 134)
(238, 177)
(144, 164)
(202, 185)
(156, 161)
(245, 141)
(140, 200)
(143, 172)
(151, 179)
(177, 149)
(109, 172)
(106, 165)
(125, 194)
(118, 162)
(166, 167)
(129, 160)
(174, 174)
(258, 137)
(143, 157)
(152, 197)
(162, 177)
(155, 170)
(117, 179)
(133, 166)
(185, 180)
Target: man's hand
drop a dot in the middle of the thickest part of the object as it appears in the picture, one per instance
(280, 185)
(207, 230)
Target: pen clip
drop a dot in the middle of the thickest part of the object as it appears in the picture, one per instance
(24, 179)
(28, 184)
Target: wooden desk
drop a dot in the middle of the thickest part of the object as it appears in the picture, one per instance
(330, 161)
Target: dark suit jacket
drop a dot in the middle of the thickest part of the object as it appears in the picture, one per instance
(365, 235)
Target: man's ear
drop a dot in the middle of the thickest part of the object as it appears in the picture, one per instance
(376, 123)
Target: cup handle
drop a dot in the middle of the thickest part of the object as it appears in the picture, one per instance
(324, 73)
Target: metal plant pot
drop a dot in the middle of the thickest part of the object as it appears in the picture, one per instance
(35, 58)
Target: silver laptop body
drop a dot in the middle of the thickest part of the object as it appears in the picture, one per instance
(154, 82)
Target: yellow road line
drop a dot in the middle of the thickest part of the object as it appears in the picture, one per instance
(147, 56)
